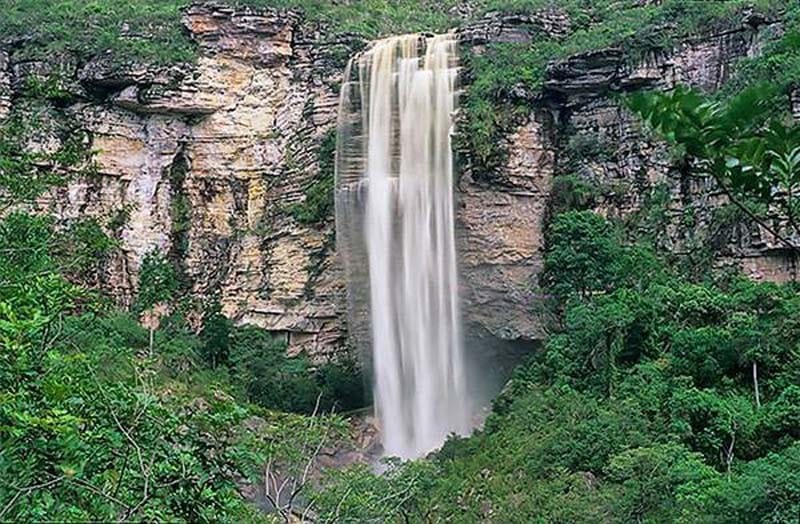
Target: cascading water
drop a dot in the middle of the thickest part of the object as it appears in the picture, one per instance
(395, 232)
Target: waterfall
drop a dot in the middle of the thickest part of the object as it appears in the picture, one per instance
(395, 233)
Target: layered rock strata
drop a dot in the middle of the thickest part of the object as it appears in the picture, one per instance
(206, 163)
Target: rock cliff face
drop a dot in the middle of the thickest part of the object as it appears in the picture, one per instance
(601, 142)
(205, 162)
(579, 127)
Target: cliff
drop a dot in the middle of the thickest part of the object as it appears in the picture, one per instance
(579, 130)
(204, 163)
(219, 164)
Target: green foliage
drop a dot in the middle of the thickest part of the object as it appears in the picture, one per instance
(318, 203)
(585, 257)
(269, 378)
(778, 64)
(216, 335)
(260, 368)
(158, 281)
(358, 495)
(766, 487)
(90, 429)
(27, 169)
(571, 193)
(83, 245)
(140, 29)
(653, 478)
(750, 155)
(342, 385)
(642, 406)
(97, 433)
(180, 216)
(504, 77)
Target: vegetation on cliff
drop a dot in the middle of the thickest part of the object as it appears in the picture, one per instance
(752, 155)
(503, 78)
(664, 394)
(101, 419)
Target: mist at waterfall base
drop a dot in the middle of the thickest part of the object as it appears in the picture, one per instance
(396, 236)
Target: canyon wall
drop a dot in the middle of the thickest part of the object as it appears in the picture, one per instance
(209, 163)
(578, 127)
(205, 163)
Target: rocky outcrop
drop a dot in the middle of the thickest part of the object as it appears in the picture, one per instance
(517, 28)
(203, 162)
(501, 236)
(602, 142)
(579, 127)
(252, 37)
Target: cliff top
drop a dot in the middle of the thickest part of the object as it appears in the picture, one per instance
(152, 30)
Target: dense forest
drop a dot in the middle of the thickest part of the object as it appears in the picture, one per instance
(667, 390)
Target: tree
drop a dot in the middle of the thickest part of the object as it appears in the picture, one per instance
(158, 283)
(216, 335)
(753, 156)
(583, 255)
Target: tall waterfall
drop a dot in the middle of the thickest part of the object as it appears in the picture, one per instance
(395, 230)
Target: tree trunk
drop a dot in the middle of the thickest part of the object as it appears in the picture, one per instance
(755, 384)
(152, 340)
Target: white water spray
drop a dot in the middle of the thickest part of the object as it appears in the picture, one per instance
(395, 230)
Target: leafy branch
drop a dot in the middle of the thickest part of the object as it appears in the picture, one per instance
(752, 155)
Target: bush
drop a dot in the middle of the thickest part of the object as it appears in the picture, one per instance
(269, 378)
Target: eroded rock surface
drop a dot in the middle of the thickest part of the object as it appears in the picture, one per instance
(606, 145)
(501, 235)
(231, 142)
(579, 127)
(203, 162)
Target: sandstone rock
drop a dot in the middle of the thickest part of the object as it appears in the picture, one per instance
(592, 73)
(629, 164)
(505, 28)
(234, 137)
(263, 37)
(501, 237)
